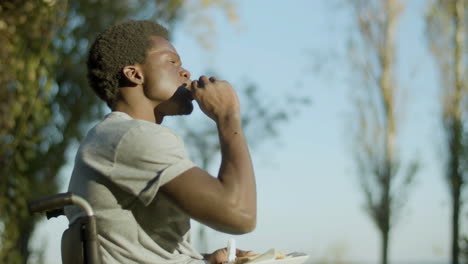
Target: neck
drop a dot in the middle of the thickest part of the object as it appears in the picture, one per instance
(142, 111)
(136, 106)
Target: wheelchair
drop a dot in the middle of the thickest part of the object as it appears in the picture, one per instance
(79, 243)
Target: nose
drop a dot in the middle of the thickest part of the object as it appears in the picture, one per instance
(185, 73)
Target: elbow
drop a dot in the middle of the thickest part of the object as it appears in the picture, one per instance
(244, 224)
(238, 216)
(244, 217)
(248, 227)
(235, 226)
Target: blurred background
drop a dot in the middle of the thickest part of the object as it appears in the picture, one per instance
(355, 110)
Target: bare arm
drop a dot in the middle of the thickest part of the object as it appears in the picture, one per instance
(226, 203)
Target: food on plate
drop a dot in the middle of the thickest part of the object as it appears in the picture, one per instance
(245, 259)
(281, 255)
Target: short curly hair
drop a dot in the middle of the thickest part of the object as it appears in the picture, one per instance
(116, 47)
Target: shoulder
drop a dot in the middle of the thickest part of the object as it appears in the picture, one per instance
(138, 135)
(149, 134)
(119, 131)
(122, 125)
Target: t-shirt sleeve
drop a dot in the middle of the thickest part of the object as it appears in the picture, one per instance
(146, 158)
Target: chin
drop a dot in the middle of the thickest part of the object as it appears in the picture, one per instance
(183, 102)
(186, 108)
(179, 104)
(180, 107)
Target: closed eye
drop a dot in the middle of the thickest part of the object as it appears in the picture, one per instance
(175, 62)
(173, 58)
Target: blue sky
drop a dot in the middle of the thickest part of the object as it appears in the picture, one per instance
(308, 196)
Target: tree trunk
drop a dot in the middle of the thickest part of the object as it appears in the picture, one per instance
(455, 231)
(456, 179)
(385, 235)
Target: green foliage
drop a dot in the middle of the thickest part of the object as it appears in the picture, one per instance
(27, 29)
(44, 99)
(45, 102)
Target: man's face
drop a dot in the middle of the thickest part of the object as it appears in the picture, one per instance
(165, 79)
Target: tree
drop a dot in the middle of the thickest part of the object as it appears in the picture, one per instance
(27, 29)
(45, 104)
(446, 36)
(383, 179)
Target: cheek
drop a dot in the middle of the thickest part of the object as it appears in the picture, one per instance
(161, 82)
(169, 77)
(169, 81)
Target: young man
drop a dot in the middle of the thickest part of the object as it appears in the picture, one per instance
(135, 172)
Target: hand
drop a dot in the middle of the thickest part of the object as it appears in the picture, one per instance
(221, 255)
(217, 99)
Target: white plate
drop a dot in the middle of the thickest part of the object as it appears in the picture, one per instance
(269, 258)
(295, 260)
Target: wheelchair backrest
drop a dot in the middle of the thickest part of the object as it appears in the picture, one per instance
(73, 243)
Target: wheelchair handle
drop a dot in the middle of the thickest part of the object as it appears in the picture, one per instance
(59, 201)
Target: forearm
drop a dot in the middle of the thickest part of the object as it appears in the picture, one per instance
(236, 172)
(227, 203)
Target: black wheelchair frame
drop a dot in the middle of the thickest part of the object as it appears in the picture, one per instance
(79, 242)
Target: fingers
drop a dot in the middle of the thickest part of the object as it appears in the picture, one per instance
(243, 253)
(202, 81)
(194, 85)
(215, 98)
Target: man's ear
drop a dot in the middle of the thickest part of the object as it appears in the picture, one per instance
(134, 74)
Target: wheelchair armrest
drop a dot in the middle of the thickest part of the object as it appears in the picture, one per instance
(50, 203)
(54, 205)
(58, 202)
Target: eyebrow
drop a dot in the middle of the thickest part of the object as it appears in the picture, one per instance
(162, 51)
(166, 51)
(174, 54)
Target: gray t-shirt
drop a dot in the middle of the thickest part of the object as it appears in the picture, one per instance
(119, 168)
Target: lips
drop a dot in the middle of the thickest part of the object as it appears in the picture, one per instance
(185, 90)
(187, 84)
